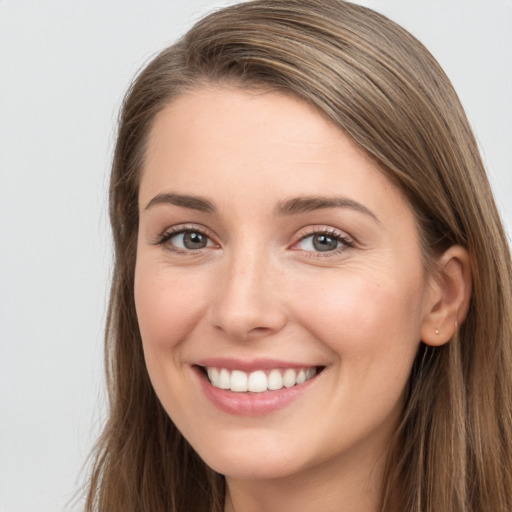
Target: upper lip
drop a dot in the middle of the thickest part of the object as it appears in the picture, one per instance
(251, 365)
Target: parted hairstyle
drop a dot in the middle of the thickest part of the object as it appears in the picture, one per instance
(452, 450)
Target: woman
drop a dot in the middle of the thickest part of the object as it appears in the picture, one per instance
(311, 299)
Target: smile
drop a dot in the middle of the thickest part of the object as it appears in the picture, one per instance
(254, 388)
(258, 381)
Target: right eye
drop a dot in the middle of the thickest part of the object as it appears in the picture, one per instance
(187, 240)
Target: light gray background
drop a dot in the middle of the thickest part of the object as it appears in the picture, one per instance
(64, 67)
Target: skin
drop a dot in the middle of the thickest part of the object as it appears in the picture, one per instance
(259, 289)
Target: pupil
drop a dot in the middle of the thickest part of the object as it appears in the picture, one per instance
(193, 240)
(324, 243)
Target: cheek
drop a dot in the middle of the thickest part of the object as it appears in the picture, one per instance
(167, 306)
(368, 321)
(168, 309)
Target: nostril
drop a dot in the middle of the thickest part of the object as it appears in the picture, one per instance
(260, 329)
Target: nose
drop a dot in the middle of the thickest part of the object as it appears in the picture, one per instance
(248, 303)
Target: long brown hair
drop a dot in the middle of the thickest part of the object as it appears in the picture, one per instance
(453, 448)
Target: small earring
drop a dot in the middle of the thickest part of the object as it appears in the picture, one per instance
(436, 331)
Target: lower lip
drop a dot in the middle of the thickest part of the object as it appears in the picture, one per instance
(252, 404)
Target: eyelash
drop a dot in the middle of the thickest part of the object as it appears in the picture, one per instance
(345, 241)
(178, 230)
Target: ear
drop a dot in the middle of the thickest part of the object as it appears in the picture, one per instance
(448, 297)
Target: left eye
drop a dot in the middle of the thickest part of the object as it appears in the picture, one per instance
(189, 240)
(320, 242)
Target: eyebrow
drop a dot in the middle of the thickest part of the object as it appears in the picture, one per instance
(185, 201)
(293, 206)
(299, 205)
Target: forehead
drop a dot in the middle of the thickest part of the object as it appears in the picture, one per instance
(256, 147)
(233, 119)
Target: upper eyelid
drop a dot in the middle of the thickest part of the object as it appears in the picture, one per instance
(181, 228)
(329, 230)
(300, 234)
(347, 242)
(169, 232)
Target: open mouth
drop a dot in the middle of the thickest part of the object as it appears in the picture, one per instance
(258, 381)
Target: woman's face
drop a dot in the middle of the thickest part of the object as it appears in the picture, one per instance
(274, 254)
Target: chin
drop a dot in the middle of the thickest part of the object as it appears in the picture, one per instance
(238, 457)
(257, 468)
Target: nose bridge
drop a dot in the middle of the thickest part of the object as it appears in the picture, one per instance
(246, 302)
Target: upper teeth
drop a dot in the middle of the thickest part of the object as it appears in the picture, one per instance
(258, 381)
